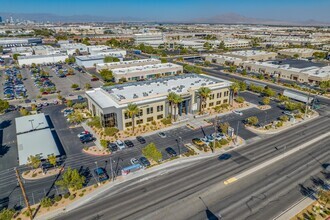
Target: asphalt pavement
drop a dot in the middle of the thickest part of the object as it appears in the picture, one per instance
(143, 198)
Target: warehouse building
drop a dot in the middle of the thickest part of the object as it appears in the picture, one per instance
(191, 44)
(311, 74)
(18, 42)
(45, 50)
(110, 103)
(125, 64)
(41, 59)
(223, 60)
(147, 37)
(300, 52)
(73, 49)
(109, 52)
(146, 72)
(255, 55)
(34, 137)
(89, 61)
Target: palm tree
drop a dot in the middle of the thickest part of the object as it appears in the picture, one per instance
(132, 110)
(204, 93)
(176, 100)
(235, 87)
(170, 98)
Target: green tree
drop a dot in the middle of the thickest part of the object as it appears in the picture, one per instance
(239, 99)
(106, 75)
(24, 112)
(296, 56)
(163, 60)
(232, 69)
(69, 103)
(108, 59)
(88, 86)
(71, 180)
(7, 214)
(74, 86)
(253, 120)
(291, 106)
(224, 127)
(222, 45)
(104, 143)
(52, 159)
(204, 93)
(284, 118)
(110, 131)
(95, 122)
(4, 105)
(76, 117)
(46, 202)
(176, 100)
(266, 100)
(152, 153)
(170, 98)
(70, 60)
(132, 110)
(235, 87)
(269, 92)
(15, 56)
(34, 161)
(244, 72)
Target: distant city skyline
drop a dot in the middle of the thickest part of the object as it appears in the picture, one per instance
(176, 10)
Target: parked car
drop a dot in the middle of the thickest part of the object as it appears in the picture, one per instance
(219, 136)
(289, 113)
(134, 161)
(144, 161)
(128, 143)
(112, 146)
(82, 134)
(141, 139)
(95, 79)
(205, 140)
(238, 112)
(87, 138)
(101, 174)
(120, 144)
(80, 98)
(224, 156)
(171, 152)
(162, 134)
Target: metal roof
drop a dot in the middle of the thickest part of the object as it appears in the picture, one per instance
(36, 142)
(31, 122)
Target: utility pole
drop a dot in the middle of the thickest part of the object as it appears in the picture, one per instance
(237, 133)
(112, 177)
(24, 193)
(307, 105)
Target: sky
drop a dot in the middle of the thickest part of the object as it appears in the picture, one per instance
(175, 10)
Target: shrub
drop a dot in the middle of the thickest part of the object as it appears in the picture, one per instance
(284, 118)
(239, 99)
(95, 186)
(66, 195)
(104, 143)
(72, 197)
(279, 124)
(34, 175)
(27, 172)
(166, 121)
(223, 142)
(110, 131)
(81, 194)
(57, 198)
(46, 202)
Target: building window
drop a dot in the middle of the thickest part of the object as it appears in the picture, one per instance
(140, 121)
(150, 119)
(226, 93)
(160, 116)
(218, 103)
(211, 104)
(140, 112)
(211, 97)
(126, 115)
(160, 108)
(150, 110)
(128, 124)
(225, 101)
(219, 95)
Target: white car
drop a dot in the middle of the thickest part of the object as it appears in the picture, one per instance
(205, 140)
(238, 112)
(82, 134)
(134, 161)
(120, 144)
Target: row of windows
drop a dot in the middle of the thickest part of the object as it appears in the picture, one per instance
(219, 94)
(149, 110)
(218, 102)
(140, 121)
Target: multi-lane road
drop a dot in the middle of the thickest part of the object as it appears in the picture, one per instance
(261, 195)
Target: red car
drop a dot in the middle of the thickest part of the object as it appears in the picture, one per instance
(95, 79)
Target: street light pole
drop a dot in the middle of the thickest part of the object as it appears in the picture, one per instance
(215, 132)
(307, 105)
(237, 133)
(24, 193)
(32, 123)
(98, 178)
(112, 177)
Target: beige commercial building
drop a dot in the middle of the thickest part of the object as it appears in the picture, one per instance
(301, 52)
(136, 73)
(223, 60)
(125, 64)
(255, 55)
(312, 74)
(110, 103)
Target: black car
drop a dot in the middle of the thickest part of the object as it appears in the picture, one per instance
(129, 143)
(144, 161)
(86, 138)
(171, 152)
(112, 147)
(141, 139)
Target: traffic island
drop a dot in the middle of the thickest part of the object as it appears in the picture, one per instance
(39, 174)
(95, 151)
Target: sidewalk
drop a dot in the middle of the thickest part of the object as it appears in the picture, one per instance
(295, 209)
(97, 141)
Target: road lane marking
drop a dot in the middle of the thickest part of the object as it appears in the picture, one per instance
(230, 180)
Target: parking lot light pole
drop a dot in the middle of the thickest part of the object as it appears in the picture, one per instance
(98, 178)
(307, 105)
(237, 133)
(215, 133)
(180, 141)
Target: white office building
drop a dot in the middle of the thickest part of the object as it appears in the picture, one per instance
(41, 59)
(89, 61)
(125, 64)
(148, 37)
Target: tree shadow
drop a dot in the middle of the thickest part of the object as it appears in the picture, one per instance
(4, 124)
(3, 150)
(307, 191)
(86, 173)
(210, 215)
